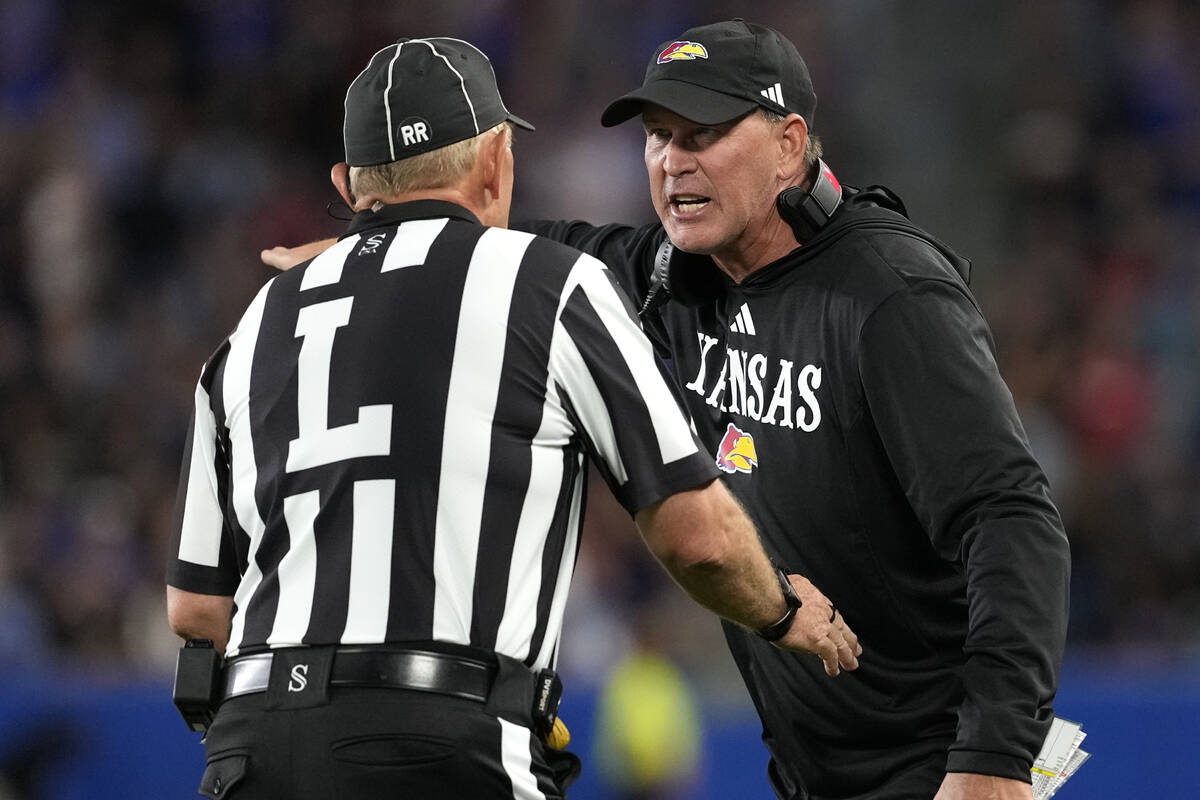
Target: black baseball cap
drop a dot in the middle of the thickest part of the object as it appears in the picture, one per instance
(418, 95)
(715, 73)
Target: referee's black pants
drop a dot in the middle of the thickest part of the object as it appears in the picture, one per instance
(367, 743)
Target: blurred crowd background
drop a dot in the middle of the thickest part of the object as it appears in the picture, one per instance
(150, 150)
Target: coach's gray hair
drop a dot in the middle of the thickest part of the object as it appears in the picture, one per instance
(436, 169)
(813, 149)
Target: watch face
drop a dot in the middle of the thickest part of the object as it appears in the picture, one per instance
(789, 592)
(777, 630)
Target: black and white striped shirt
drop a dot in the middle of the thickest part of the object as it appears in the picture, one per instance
(391, 445)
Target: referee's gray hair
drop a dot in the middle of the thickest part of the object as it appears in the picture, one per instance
(436, 169)
(813, 149)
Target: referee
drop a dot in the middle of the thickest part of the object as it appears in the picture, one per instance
(380, 507)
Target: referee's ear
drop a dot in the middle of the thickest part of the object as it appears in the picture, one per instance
(340, 175)
(494, 168)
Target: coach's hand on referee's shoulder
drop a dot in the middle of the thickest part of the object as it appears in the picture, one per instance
(284, 258)
(821, 629)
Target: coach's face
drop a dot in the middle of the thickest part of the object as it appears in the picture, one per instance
(714, 186)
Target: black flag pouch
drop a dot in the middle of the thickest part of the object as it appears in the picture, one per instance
(547, 692)
(197, 681)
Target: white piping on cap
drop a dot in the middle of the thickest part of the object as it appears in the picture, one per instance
(387, 106)
(461, 83)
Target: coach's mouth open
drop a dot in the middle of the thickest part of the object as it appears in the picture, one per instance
(685, 204)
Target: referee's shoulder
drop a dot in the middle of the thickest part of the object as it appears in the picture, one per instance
(551, 254)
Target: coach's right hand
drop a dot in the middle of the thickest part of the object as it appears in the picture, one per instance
(284, 258)
(819, 628)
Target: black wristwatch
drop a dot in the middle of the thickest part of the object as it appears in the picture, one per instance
(777, 630)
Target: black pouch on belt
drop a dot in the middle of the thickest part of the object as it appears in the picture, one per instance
(525, 698)
(523, 701)
(546, 695)
(547, 692)
(197, 673)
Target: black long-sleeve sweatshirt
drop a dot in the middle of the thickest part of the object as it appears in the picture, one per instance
(850, 393)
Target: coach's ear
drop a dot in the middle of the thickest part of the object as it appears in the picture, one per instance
(340, 175)
(793, 140)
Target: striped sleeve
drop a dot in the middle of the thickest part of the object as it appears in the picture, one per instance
(636, 431)
(201, 558)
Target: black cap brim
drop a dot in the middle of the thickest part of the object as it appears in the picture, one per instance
(520, 123)
(688, 100)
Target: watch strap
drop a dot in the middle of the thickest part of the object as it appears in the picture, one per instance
(777, 630)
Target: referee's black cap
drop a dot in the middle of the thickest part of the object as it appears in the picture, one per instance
(718, 72)
(418, 95)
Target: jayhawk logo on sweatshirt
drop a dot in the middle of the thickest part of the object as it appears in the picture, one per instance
(736, 453)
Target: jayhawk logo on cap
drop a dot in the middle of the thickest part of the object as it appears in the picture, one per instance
(736, 453)
(682, 51)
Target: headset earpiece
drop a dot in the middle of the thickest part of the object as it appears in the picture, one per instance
(808, 211)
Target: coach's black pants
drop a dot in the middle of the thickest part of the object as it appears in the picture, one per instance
(372, 743)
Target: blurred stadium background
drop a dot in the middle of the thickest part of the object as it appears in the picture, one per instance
(149, 150)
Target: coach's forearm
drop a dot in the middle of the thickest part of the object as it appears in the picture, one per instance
(284, 258)
(709, 546)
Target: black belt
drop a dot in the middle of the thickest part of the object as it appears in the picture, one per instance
(419, 670)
